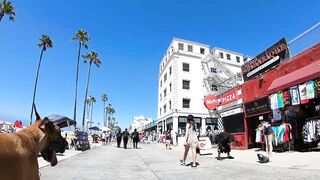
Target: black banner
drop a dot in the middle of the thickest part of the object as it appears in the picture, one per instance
(256, 107)
(211, 121)
(265, 60)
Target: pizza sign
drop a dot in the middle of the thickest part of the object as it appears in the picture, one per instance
(211, 102)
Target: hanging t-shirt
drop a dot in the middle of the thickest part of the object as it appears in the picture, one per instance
(286, 98)
(276, 114)
(280, 100)
(317, 87)
(310, 89)
(294, 95)
(303, 93)
(274, 101)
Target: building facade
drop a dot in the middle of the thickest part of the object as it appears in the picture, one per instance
(183, 82)
(139, 122)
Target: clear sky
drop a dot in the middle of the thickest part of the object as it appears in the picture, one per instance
(131, 37)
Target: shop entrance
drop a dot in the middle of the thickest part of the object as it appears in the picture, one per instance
(252, 124)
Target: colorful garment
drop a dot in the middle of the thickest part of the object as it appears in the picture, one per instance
(310, 89)
(274, 101)
(317, 87)
(303, 93)
(280, 100)
(286, 98)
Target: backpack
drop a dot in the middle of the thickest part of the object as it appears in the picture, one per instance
(262, 158)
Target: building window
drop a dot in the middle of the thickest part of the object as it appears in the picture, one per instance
(170, 70)
(220, 55)
(160, 97)
(185, 67)
(214, 87)
(190, 48)
(165, 93)
(165, 108)
(180, 46)
(185, 84)
(170, 87)
(160, 111)
(213, 70)
(160, 83)
(228, 57)
(202, 51)
(185, 103)
(238, 59)
(170, 104)
(165, 77)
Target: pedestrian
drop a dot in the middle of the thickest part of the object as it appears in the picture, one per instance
(103, 138)
(135, 138)
(119, 137)
(223, 141)
(191, 141)
(168, 139)
(107, 138)
(125, 136)
(267, 133)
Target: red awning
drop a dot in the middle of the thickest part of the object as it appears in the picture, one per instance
(309, 72)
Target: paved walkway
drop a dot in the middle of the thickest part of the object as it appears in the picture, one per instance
(152, 161)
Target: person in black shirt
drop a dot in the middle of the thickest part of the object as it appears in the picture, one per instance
(125, 135)
(135, 138)
(119, 137)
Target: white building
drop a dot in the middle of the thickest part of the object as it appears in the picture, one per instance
(139, 122)
(188, 72)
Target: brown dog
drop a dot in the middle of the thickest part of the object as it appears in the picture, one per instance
(19, 151)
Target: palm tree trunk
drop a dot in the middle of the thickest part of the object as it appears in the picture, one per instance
(91, 115)
(104, 112)
(1, 14)
(35, 85)
(76, 89)
(85, 97)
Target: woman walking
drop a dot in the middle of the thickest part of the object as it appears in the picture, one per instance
(191, 142)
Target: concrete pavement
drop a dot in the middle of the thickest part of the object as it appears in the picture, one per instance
(152, 161)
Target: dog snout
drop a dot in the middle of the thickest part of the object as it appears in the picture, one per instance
(60, 145)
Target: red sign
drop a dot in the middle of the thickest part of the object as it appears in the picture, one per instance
(211, 102)
(231, 96)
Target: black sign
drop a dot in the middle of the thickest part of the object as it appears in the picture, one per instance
(169, 120)
(197, 120)
(265, 60)
(256, 107)
(183, 119)
(211, 121)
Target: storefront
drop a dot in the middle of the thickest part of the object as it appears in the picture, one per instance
(169, 123)
(280, 95)
(230, 110)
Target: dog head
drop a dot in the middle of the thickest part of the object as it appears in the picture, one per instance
(54, 141)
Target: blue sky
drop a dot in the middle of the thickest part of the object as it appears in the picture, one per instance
(131, 37)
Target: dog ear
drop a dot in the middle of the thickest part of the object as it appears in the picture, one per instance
(43, 123)
(35, 110)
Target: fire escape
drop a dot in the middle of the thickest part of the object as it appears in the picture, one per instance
(218, 78)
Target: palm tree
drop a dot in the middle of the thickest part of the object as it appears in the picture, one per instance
(110, 111)
(83, 37)
(45, 42)
(92, 101)
(6, 8)
(93, 57)
(104, 98)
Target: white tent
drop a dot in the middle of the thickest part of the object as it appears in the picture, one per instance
(105, 129)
